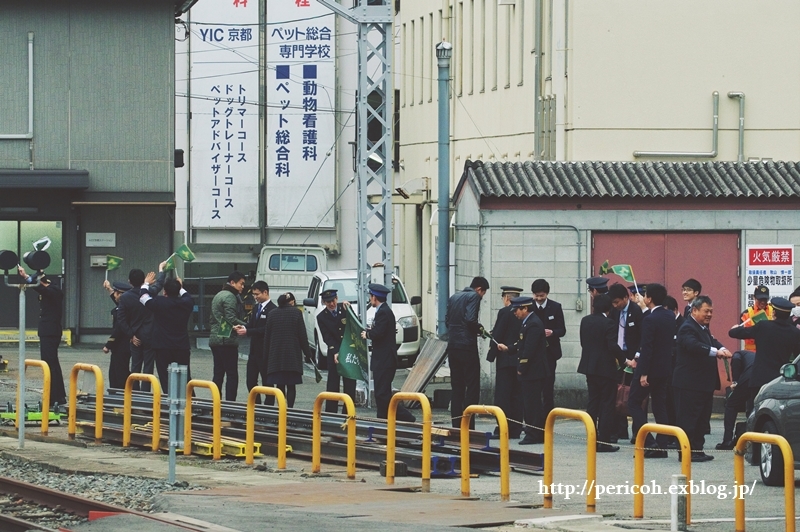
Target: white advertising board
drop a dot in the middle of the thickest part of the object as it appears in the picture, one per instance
(301, 125)
(772, 266)
(224, 105)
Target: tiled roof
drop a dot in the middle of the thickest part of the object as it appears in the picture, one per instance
(598, 179)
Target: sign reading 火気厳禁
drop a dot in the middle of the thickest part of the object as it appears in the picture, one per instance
(301, 80)
(771, 266)
(224, 105)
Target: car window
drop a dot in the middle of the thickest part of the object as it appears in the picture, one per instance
(398, 294)
(312, 289)
(292, 262)
(346, 289)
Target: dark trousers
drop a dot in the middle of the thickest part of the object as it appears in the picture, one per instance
(333, 386)
(622, 419)
(226, 364)
(739, 400)
(693, 409)
(48, 349)
(383, 395)
(165, 357)
(549, 387)
(533, 409)
(253, 371)
(508, 396)
(602, 398)
(143, 358)
(465, 382)
(119, 368)
(657, 391)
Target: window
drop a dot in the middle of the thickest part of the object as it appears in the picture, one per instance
(398, 294)
(292, 262)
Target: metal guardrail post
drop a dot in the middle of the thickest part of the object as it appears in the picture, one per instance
(126, 409)
(788, 475)
(316, 450)
(216, 415)
(45, 396)
(73, 399)
(177, 402)
(591, 454)
(391, 436)
(505, 467)
(638, 464)
(251, 423)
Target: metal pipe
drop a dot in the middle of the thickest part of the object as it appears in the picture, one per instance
(73, 399)
(444, 51)
(700, 155)
(45, 396)
(505, 466)
(740, 95)
(591, 453)
(391, 436)
(216, 438)
(537, 80)
(251, 423)
(29, 134)
(316, 432)
(126, 409)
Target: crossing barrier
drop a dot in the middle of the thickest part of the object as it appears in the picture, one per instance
(505, 468)
(251, 422)
(591, 454)
(45, 396)
(638, 464)
(216, 413)
(316, 449)
(126, 409)
(73, 399)
(391, 436)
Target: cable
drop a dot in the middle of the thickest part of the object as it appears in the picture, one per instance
(350, 182)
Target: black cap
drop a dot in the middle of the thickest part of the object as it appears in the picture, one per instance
(329, 295)
(637, 289)
(121, 286)
(780, 303)
(762, 292)
(378, 290)
(522, 301)
(510, 290)
(598, 283)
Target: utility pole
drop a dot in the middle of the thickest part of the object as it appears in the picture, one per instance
(444, 51)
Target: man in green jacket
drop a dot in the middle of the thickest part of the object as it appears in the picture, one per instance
(227, 325)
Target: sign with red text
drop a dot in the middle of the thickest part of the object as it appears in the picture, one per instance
(771, 266)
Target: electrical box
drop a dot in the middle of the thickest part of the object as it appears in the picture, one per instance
(97, 261)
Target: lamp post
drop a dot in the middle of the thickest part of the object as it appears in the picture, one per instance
(444, 51)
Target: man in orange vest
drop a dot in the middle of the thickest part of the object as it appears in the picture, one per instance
(760, 304)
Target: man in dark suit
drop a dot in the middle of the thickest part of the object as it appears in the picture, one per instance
(51, 302)
(332, 322)
(600, 357)
(777, 343)
(653, 368)
(690, 290)
(552, 317)
(171, 315)
(383, 335)
(532, 367)
(671, 304)
(256, 329)
(738, 399)
(507, 392)
(137, 323)
(696, 376)
(627, 317)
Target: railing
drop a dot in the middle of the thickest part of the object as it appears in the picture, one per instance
(45, 396)
(126, 410)
(391, 436)
(591, 454)
(316, 447)
(73, 399)
(638, 464)
(251, 423)
(505, 467)
(216, 434)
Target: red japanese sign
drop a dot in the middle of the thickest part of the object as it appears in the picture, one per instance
(770, 256)
(302, 3)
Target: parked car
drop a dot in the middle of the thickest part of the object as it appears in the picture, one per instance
(776, 410)
(345, 282)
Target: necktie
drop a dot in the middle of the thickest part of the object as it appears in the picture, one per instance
(621, 332)
(258, 311)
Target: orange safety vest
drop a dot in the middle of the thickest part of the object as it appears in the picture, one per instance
(750, 345)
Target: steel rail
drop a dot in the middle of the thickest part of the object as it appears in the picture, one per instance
(9, 523)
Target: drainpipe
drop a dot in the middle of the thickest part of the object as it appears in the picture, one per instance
(699, 155)
(537, 81)
(740, 96)
(29, 134)
(444, 51)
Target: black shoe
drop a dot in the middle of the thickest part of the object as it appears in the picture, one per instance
(672, 445)
(530, 441)
(605, 448)
(726, 446)
(613, 439)
(633, 441)
(655, 453)
(701, 457)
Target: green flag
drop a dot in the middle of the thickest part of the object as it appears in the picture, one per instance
(170, 263)
(185, 253)
(353, 350)
(758, 316)
(604, 269)
(225, 329)
(112, 262)
(625, 271)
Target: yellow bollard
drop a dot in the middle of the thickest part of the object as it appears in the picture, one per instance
(788, 475)
(505, 467)
(216, 434)
(128, 399)
(638, 464)
(316, 450)
(591, 454)
(251, 423)
(73, 399)
(45, 395)
(391, 436)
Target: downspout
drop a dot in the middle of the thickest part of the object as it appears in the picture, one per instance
(446, 20)
(29, 134)
(579, 279)
(537, 80)
(740, 96)
(700, 155)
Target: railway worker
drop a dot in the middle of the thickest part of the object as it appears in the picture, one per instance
(332, 322)
(285, 346)
(227, 310)
(118, 344)
(552, 316)
(760, 304)
(507, 392)
(51, 300)
(383, 334)
(137, 323)
(597, 285)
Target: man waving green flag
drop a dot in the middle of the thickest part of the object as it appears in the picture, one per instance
(353, 350)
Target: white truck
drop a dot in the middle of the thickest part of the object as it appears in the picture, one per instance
(289, 268)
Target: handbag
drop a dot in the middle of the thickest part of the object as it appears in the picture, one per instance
(621, 405)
